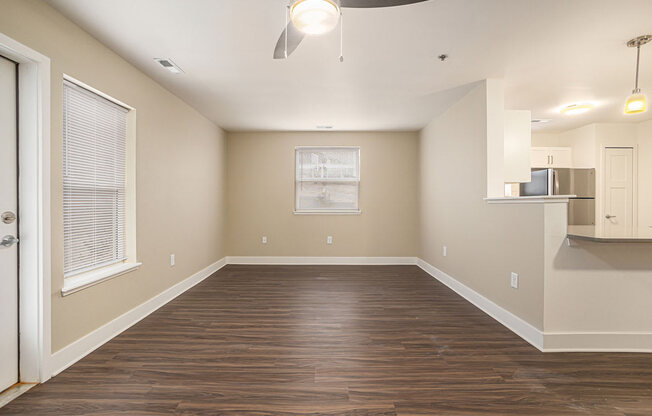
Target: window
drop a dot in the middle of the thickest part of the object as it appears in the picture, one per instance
(94, 180)
(327, 179)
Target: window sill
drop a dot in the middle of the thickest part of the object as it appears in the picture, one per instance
(343, 212)
(82, 281)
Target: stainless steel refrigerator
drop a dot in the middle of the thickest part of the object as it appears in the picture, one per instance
(564, 181)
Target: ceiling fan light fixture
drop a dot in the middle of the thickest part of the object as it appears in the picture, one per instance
(315, 17)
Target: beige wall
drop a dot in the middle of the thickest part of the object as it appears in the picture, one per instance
(644, 133)
(261, 197)
(600, 289)
(180, 172)
(485, 242)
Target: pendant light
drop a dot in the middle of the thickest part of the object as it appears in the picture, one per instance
(637, 103)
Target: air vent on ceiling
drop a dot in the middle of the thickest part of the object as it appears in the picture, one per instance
(169, 65)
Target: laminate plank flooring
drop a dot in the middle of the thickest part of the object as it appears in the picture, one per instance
(334, 340)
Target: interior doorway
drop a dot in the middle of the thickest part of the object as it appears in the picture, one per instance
(9, 346)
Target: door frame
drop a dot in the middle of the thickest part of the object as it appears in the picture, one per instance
(602, 184)
(34, 209)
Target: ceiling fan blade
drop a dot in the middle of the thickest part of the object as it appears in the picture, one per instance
(376, 3)
(295, 37)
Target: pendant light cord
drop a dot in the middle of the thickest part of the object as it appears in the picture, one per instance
(638, 59)
(341, 37)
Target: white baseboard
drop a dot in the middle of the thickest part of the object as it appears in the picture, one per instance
(517, 325)
(74, 352)
(546, 341)
(288, 260)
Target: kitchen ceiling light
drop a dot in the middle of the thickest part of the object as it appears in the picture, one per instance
(574, 109)
(540, 120)
(637, 103)
(315, 17)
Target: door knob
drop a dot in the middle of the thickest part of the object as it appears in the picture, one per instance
(8, 241)
(609, 216)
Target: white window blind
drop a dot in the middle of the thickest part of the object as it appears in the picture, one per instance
(94, 140)
(327, 179)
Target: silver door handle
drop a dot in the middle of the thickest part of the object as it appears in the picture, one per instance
(609, 216)
(8, 241)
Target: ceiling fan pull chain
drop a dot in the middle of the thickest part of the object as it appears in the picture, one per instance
(287, 11)
(341, 37)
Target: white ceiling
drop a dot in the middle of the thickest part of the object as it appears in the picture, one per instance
(550, 52)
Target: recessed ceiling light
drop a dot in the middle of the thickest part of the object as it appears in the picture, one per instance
(169, 65)
(574, 109)
(540, 120)
(324, 127)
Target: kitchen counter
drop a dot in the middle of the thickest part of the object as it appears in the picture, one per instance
(529, 199)
(591, 233)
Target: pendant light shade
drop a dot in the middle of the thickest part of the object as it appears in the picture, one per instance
(637, 102)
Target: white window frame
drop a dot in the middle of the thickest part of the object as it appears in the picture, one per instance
(83, 280)
(323, 211)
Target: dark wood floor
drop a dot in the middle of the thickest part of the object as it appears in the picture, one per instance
(337, 340)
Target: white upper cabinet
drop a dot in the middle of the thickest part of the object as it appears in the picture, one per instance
(518, 141)
(540, 157)
(552, 157)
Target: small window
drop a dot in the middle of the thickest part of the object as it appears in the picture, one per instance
(94, 181)
(327, 179)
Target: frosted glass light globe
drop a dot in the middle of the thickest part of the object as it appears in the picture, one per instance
(636, 103)
(315, 17)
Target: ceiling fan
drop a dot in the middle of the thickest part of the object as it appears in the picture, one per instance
(316, 17)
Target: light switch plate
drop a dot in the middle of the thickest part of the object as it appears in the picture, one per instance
(171, 259)
(264, 239)
(444, 251)
(514, 282)
(329, 239)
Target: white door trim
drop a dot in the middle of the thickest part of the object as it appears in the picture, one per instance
(34, 194)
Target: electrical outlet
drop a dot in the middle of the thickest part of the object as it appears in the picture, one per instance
(171, 259)
(329, 239)
(514, 282)
(444, 251)
(264, 240)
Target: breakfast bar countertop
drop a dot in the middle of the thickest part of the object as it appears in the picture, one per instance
(592, 233)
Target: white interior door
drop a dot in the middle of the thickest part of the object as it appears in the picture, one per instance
(8, 227)
(619, 191)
